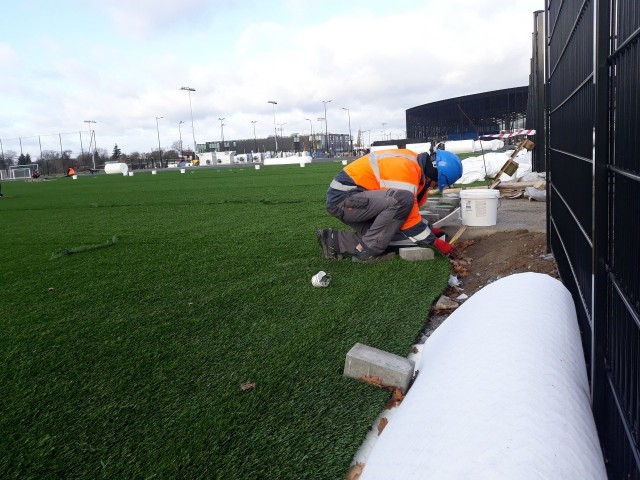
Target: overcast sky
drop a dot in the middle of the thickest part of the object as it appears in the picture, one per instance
(121, 63)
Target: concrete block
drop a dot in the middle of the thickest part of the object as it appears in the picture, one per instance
(443, 210)
(450, 202)
(416, 253)
(430, 216)
(392, 370)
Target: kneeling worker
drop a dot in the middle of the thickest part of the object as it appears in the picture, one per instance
(379, 195)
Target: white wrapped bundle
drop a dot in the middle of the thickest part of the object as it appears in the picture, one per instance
(502, 393)
(116, 167)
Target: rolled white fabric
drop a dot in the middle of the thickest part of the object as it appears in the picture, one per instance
(501, 393)
(116, 167)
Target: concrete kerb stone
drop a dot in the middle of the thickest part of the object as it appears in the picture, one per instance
(443, 210)
(430, 216)
(392, 370)
(416, 253)
(450, 201)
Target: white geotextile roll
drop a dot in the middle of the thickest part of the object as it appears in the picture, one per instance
(501, 393)
(118, 167)
(459, 146)
(288, 160)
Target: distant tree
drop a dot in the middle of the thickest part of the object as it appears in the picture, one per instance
(176, 146)
(101, 156)
(137, 158)
(85, 160)
(51, 162)
(8, 159)
(11, 155)
(156, 158)
(171, 155)
(116, 152)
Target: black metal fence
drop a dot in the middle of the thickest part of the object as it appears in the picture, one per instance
(592, 113)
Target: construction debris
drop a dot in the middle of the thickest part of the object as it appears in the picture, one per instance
(511, 166)
(514, 190)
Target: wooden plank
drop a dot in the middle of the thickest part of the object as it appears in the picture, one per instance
(457, 235)
(507, 185)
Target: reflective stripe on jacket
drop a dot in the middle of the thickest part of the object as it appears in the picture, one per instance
(386, 169)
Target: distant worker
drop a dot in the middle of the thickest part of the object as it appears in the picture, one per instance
(378, 195)
(70, 172)
(35, 174)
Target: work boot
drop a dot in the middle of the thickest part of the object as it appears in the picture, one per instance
(365, 257)
(326, 242)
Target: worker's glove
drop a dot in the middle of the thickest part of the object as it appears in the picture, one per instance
(438, 232)
(444, 247)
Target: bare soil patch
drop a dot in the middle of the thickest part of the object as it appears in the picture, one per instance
(489, 258)
(483, 260)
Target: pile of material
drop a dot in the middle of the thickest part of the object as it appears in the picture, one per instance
(533, 189)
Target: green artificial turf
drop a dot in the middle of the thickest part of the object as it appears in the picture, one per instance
(134, 308)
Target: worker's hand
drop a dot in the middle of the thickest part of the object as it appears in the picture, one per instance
(438, 232)
(444, 247)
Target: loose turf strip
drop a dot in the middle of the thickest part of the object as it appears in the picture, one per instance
(127, 362)
(84, 248)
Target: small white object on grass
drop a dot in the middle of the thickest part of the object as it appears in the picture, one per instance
(321, 279)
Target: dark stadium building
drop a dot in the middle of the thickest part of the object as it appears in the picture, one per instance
(467, 117)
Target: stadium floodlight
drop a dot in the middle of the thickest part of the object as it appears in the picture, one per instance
(189, 90)
(275, 130)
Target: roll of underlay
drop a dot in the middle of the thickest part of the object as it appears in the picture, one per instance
(501, 393)
(116, 167)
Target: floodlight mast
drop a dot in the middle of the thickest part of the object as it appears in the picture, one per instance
(92, 135)
(326, 128)
(222, 131)
(350, 137)
(255, 141)
(189, 90)
(159, 149)
(275, 130)
(311, 137)
(180, 133)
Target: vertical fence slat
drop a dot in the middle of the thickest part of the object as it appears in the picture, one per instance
(594, 185)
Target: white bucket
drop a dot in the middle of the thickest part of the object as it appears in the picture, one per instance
(479, 207)
(153, 172)
(344, 162)
(257, 167)
(131, 174)
(75, 177)
(182, 170)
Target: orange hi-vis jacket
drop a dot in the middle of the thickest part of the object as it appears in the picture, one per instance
(387, 169)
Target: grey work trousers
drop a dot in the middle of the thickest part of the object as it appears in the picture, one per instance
(376, 217)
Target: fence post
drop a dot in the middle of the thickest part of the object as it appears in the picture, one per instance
(600, 227)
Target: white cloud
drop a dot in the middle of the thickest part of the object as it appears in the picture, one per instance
(376, 62)
(9, 58)
(142, 18)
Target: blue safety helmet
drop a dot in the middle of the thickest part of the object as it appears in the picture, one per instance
(449, 168)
